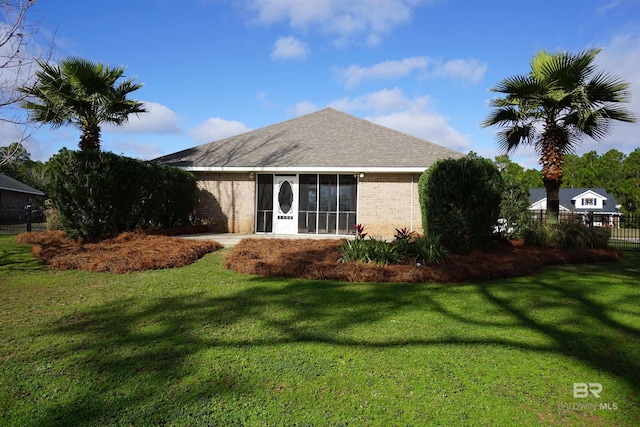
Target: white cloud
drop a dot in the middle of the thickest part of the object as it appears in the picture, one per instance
(343, 20)
(135, 149)
(426, 125)
(621, 58)
(289, 48)
(385, 100)
(413, 116)
(302, 108)
(216, 128)
(263, 99)
(353, 75)
(158, 119)
(469, 69)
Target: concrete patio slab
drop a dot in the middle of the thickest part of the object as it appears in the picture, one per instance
(231, 239)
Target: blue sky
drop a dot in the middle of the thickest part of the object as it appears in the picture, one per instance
(216, 68)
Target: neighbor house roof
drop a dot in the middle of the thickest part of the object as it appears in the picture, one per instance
(325, 140)
(10, 184)
(568, 196)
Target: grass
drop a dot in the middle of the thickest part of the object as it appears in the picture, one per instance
(201, 345)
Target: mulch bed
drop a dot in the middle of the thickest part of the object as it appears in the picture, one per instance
(125, 253)
(319, 259)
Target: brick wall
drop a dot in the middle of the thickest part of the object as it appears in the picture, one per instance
(389, 201)
(227, 201)
(385, 202)
(14, 199)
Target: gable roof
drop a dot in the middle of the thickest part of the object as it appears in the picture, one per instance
(325, 140)
(567, 195)
(9, 184)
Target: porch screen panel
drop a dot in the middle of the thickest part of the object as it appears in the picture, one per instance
(328, 204)
(264, 211)
(308, 203)
(347, 204)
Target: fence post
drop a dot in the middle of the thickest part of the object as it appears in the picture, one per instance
(29, 209)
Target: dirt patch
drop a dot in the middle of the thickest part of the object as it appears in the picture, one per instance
(319, 259)
(125, 253)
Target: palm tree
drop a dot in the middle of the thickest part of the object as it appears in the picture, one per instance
(561, 100)
(83, 94)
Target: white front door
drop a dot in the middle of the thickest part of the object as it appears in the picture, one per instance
(285, 204)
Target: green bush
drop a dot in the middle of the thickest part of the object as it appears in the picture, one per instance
(381, 252)
(570, 234)
(372, 251)
(100, 193)
(536, 233)
(52, 216)
(599, 237)
(427, 249)
(461, 202)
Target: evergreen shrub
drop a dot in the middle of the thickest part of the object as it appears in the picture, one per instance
(460, 202)
(100, 193)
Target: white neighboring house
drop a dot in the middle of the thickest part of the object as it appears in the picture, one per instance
(581, 201)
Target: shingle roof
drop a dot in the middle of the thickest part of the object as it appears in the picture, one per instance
(325, 139)
(10, 184)
(567, 194)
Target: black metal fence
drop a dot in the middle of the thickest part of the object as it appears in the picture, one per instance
(625, 229)
(14, 220)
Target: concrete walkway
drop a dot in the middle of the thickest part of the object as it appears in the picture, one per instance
(231, 239)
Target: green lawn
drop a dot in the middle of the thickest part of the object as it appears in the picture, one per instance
(204, 346)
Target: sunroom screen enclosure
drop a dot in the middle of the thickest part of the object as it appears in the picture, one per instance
(319, 203)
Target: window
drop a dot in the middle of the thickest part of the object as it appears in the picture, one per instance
(589, 201)
(264, 214)
(308, 212)
(328, 204)
(347, 204)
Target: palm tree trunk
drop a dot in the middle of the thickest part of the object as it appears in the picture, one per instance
(90, 138)
(553, 200)
(552, 160)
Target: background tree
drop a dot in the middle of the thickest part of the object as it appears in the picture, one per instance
(614, 171)
(20, 49)
(629, 195)
(561, 100)
(515, 191)
(12, 157)
(81, 93)
(18, 165)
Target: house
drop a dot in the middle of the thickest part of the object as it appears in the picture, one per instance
(16, 194)
(15, 197)
(581, 201)
(319, 173)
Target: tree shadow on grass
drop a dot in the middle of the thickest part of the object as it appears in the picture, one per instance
(139, 354)
(19, 259)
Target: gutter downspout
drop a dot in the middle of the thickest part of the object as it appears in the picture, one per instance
(412, 196)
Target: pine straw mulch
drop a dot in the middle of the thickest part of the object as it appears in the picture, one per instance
(319, 259)
(127, 252)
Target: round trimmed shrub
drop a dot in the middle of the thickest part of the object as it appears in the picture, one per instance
(460, 202)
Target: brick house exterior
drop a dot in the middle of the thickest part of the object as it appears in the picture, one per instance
(316, 174)
(16, 194)
(14, 198)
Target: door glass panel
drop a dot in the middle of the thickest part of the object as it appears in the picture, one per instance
(285, 197)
